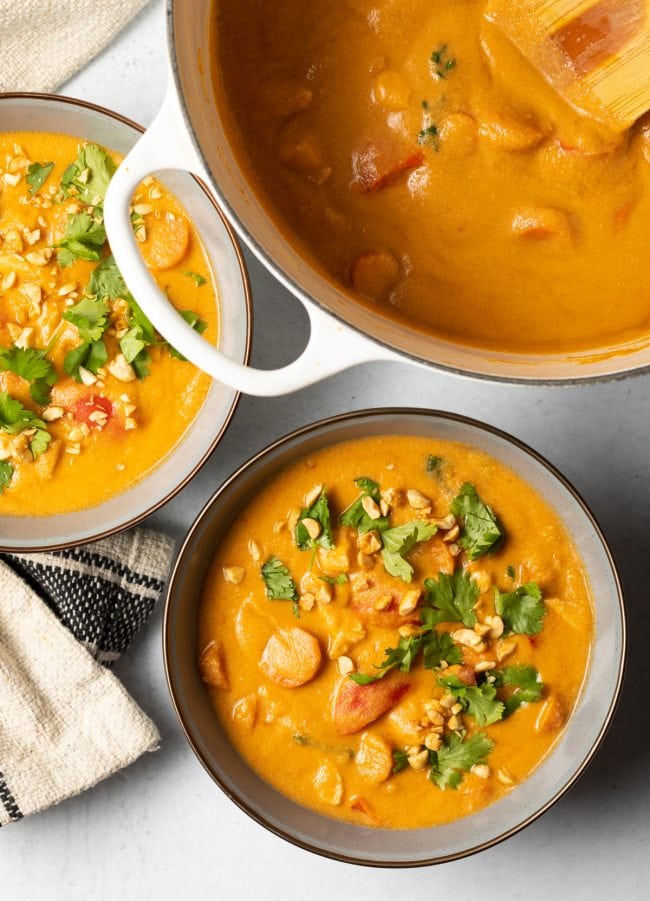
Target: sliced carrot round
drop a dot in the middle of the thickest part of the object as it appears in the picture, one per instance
(166, 242)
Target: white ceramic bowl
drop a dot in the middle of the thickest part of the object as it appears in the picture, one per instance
(387, 847)
(40, 112)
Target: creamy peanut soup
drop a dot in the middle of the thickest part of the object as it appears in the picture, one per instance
(395, 630)
(91, 398)
(409, 150)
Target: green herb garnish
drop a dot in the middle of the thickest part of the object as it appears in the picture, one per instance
(37, 175)
(432, 465)
(451, 599)
(6, 474)
(399, 541)
(320, 512)
(356, 516)
(89, 355)
(429, 135)
(90, 316)
(88, 177)
(527, 685)
(481, 531)
(522, 610)
(457, 756)
(196, 277)
(194, 321)
(84, 237)
(400, 760)
(479, 701)
(442, 62)
(33, 366)
(278, 581)
(340, 579)
(14, 419)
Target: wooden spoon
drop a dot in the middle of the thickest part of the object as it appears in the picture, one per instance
(595, 52)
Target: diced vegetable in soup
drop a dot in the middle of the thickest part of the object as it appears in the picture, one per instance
(407, 148)
(91, 398)
(395, 630)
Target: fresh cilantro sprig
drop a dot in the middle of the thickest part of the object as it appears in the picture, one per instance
(402, 658)
(451, 599)
(356, 517)
(339, 579)
(433, 465)
(6, 474)
(400, 760)
(14, 419)
(279, 582)
(456, 757)
(91, 356)
(33, 366)
(85, 235)
(196, 277)
(439, 648)
(320, 512)
(479, 701)
(522, 610)
(88, 177)
(525, 681)
(37, 175)
(194, 321)
(481, 530)
(90, 315)
(398, 541)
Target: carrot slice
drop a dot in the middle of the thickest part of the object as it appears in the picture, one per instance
(167, 241)
(380, 163)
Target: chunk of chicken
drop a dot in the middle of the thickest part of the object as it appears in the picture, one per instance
(212, 666)
(291, 657)
(374, 758)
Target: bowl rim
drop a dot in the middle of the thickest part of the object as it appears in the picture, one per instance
(365, 415)
(37, 96)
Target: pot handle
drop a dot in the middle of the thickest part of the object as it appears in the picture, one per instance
(332, 346)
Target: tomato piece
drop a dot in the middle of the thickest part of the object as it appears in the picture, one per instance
(378, 164)
(85, 407)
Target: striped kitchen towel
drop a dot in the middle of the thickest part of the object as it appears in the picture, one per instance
(66, 722)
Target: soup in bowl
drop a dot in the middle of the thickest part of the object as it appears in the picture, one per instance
(385, 637)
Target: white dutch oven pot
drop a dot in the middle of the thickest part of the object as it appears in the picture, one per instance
(192, 132)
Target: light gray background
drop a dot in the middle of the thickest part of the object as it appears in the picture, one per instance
(161, 829)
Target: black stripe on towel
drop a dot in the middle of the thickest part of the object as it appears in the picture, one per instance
(8, 801)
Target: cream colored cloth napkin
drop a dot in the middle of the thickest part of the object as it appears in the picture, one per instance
(44, 42)
(66, 722)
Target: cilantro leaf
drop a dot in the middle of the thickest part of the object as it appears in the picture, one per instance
(450, 599)
(90, 316)
(89, 175)
(199, 325)
(439, 646)
(479, 701)
(132, 344)
(89, 355)
(402, 658)
(432, 465)
(355, 516)
(196, 277)
(6, 474)
(527, 685)
(481, 531)
(400, 760)
(319, 511)
(522, 610)
(84, 237)
(456, 757)
(340, 579)
(37, 175)
(278, 581)
(399, 541)
(14, 418)
(33, 366)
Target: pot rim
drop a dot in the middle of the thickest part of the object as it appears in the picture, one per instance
(135, 520)
(364, 415)
(290, 284)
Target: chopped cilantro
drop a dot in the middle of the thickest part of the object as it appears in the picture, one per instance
(479, 701)
(451, 599)
(340, 579)
(196, 277)
(90, 355)
(456, 757)
(37, 175)
(400, 760)
(33, 366)
(402, 658)
(429, 135)
(522, 610)
(319, 511)
(6, 474)
(481, 531)
(90, 316)
(356, 516)
(14, 418)
(84, 237)
(439, 648)
(433, 465)
(89, 175)
(443, 63)
(510, 572)
(194, 320)
(399, 541)
(527, 685)
(278, 581)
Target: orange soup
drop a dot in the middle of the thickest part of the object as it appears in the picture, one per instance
(395, 630)
(85, 382)
(411, 152)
